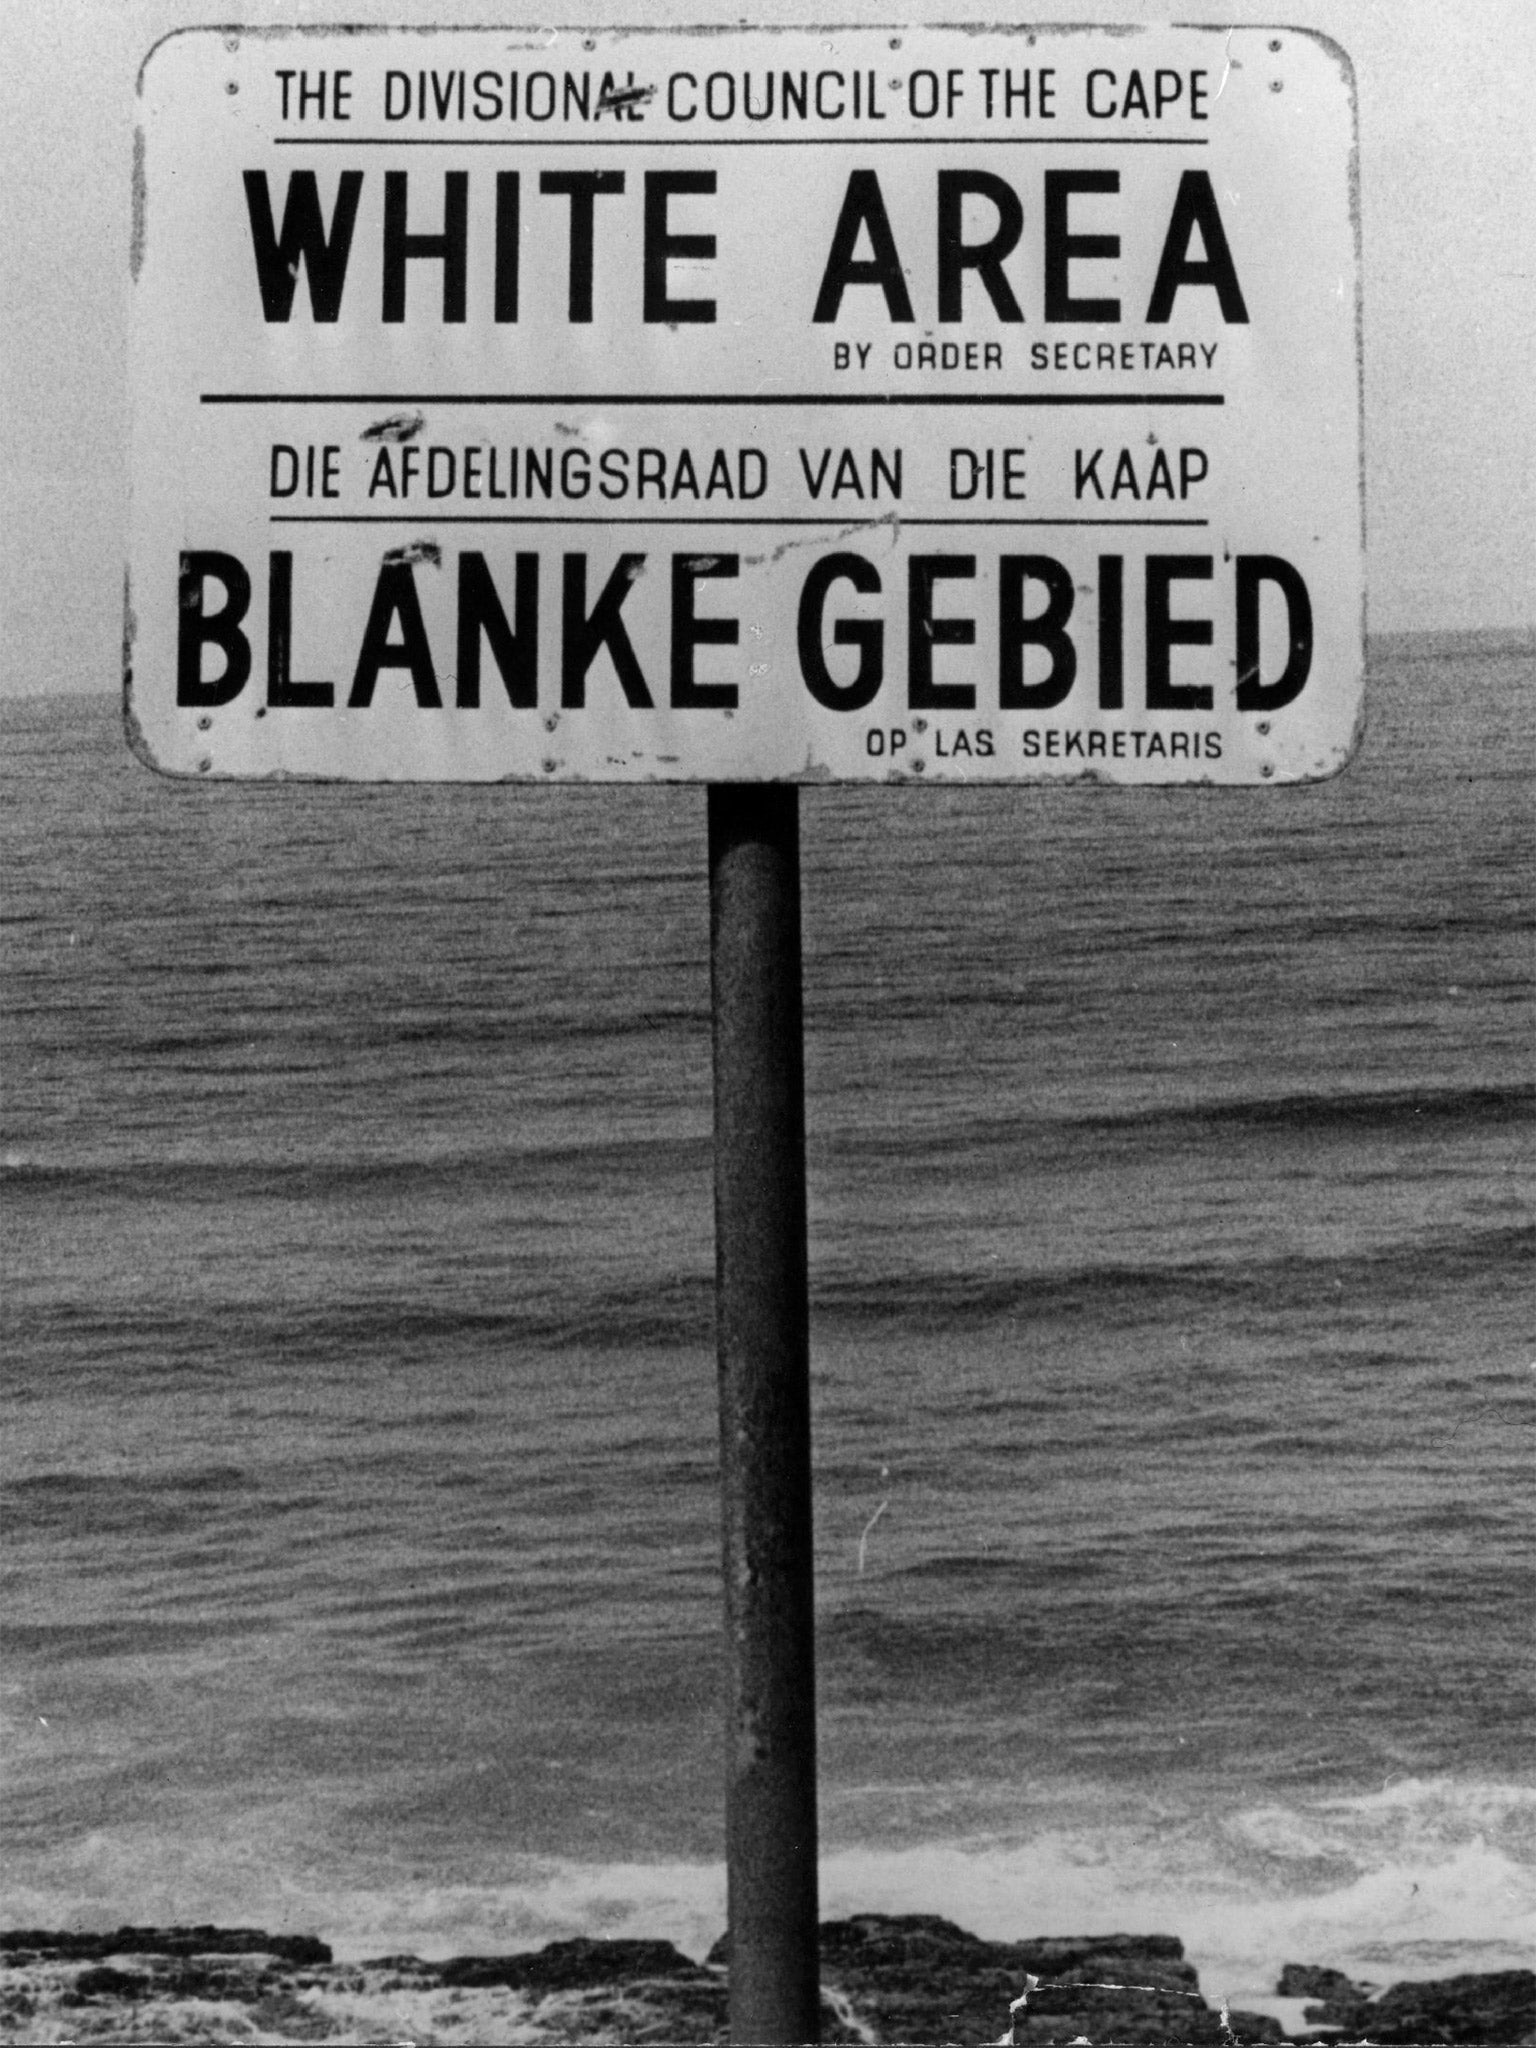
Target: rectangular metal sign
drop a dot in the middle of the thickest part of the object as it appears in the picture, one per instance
(839, 404)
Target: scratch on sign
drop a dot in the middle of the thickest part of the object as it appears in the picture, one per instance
(396, 426)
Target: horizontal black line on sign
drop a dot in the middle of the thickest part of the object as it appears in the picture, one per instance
(739, 141)
(678, 398)
(840, 520)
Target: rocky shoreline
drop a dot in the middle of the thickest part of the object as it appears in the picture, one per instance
(885, 1978)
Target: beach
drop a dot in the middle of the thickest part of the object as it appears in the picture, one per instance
(913, 1978)
(1170, 1237)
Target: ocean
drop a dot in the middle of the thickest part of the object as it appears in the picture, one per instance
(1171, 1227)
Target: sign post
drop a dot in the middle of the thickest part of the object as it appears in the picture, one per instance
(748, 407)
(765, 1422)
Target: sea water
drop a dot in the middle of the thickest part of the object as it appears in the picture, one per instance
(1172, 1367)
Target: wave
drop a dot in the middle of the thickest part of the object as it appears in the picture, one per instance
(1044, 1138)
(1420, 1878)
(1115, 1292)
(1375, 1109)
(1351, 1113)
(537, 1301)
(279, 1176)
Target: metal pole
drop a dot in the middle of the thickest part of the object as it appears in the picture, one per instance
(765, 1430)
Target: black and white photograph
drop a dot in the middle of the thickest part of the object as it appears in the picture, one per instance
(766, 1024)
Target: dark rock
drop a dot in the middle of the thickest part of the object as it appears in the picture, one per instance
(192, 1977)
(917, 1977)
(572, 1966)
(35, 1944)
(896, 1978)
(1305, 1980)
(1254, 2027)
(914, 1977)
(1494, 2007)
(104, 1982)
(1121, 2007)
(675, 2014)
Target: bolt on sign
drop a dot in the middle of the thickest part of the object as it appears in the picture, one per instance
(965, 405)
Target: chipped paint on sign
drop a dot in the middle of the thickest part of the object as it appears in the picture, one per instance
(968, 404)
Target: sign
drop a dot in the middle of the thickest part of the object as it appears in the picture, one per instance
(940, 405)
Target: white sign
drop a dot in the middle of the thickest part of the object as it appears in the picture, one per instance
(756, 404)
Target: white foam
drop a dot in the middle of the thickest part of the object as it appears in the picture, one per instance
(1420, 1878)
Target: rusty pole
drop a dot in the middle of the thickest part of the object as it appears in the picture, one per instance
(762, 1326)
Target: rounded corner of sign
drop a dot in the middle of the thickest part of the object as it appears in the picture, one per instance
(137, 739)
(1329, 47)
(184, 33)
(1326, 771)
(1356, 740)
(1330, 769)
